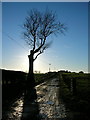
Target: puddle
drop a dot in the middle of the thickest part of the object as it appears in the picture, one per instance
(49, 103)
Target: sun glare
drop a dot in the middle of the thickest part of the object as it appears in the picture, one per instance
(40, 65)
(25, 64)
(37, 66)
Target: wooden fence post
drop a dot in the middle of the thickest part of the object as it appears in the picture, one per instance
(71, 85)
(74, 86)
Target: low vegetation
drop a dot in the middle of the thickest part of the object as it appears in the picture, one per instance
(42, 77)
(74, 88)
(14, 84)
(75, 92)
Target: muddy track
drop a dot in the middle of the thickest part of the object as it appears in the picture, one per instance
(49, 104)
(46, 106)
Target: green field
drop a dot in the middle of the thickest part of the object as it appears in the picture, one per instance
(75, 92)
(41, 77)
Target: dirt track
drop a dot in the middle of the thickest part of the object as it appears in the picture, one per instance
(49, 106)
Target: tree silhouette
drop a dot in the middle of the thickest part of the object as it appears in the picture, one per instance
(37, 27)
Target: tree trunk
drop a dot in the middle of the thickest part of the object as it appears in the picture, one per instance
(30, 93)
(30, 77)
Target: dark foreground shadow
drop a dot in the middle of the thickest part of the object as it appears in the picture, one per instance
(30, 106)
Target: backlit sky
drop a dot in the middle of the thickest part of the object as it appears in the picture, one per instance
(67, 52)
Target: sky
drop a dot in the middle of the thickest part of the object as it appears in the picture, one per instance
(45, 0)
(67, 52)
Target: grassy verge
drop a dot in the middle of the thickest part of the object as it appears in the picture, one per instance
(78, 103)
(42, 77)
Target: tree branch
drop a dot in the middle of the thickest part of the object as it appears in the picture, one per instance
(38, 26)
(42, 44)
(43, 48)
(38, 55)
(34, 43)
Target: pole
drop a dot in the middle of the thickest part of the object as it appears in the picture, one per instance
(49, 67)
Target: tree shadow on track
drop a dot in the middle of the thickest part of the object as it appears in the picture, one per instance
(30, 106)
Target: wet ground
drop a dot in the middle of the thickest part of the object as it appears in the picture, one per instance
(15, 110)
(47, 105)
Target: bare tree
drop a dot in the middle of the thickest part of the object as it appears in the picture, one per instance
(38, 26)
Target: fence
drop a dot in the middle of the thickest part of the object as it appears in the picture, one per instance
(76, 82)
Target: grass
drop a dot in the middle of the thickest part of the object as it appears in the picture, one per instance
(78, 102)
(41, 77)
